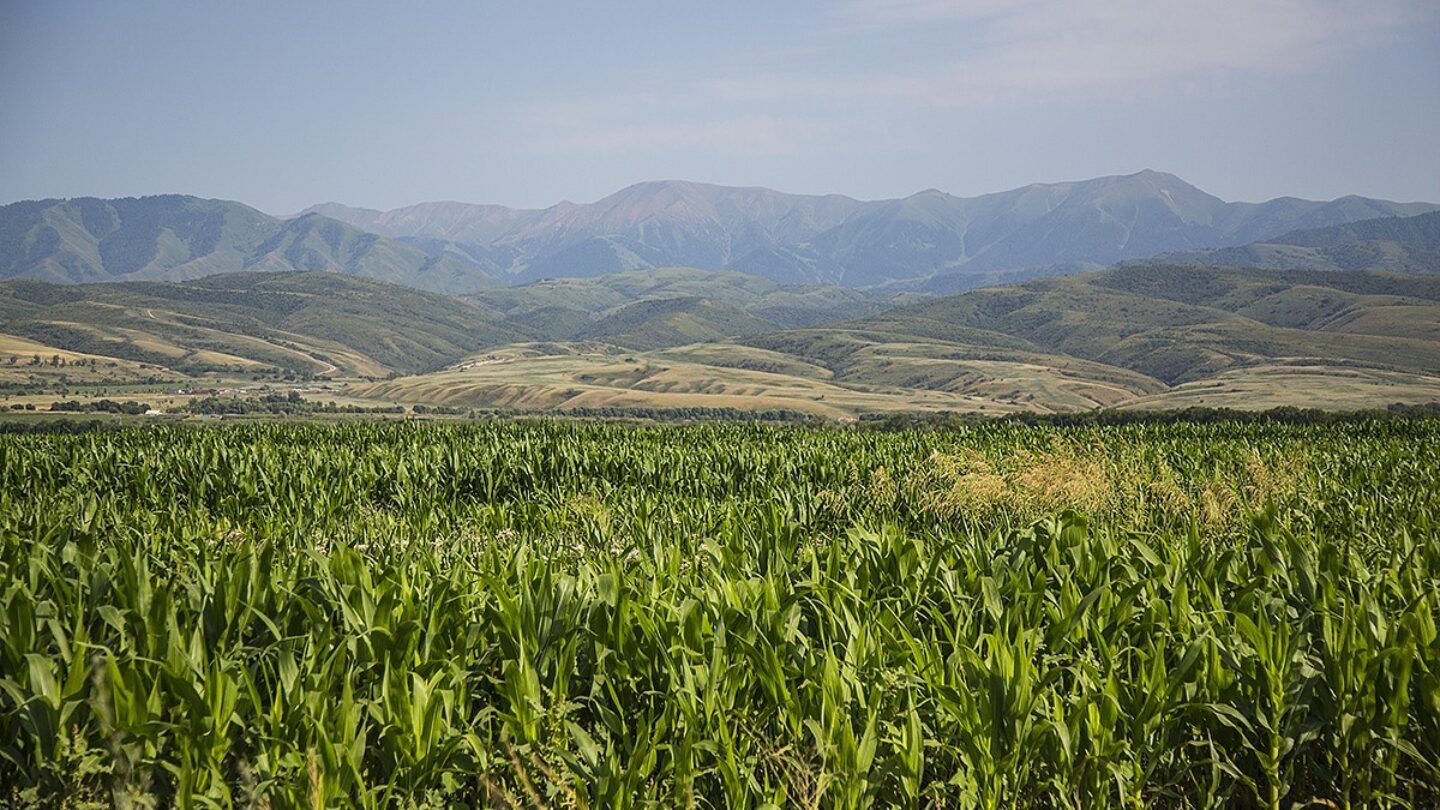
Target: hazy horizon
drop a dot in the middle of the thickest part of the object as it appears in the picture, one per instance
(381, 107)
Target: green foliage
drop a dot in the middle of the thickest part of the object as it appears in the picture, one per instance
(130, 407)
(1194, 415)
(276, 404)
(597, 615)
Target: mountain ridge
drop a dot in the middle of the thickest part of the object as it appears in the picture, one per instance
(930, 241)
(177, 237)
(858, 243)
(1391, 244)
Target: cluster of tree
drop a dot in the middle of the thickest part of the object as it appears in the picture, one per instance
(675, 414)
(77, 339)
(61, 385)
(1286, 414)
(290, 404)
(54, 360)
(58, 425)
(441, 410)
(100, 406)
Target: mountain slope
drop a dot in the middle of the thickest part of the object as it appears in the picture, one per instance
(655, 323)
(324, 322)
(1388, 244)
(1134, 336)
(1173, 324)
(1149, 337)
(177, 238)
(736, 304)
(836, 239)
(320, 323)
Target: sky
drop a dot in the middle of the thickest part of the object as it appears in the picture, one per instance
(286, 104)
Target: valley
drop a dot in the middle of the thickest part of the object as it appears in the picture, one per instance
(720, 405)
(1136, 336)
(1342, 316)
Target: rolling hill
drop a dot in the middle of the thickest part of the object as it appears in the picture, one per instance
(1388, 244)
(332, 323)
(1134, 336)
(1178, 323)
(315, 323)
(178, 238)
(1141, 336)
(648, 309)
(929, 237)
(1173, 325)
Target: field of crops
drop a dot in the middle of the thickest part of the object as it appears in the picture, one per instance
(593, 615)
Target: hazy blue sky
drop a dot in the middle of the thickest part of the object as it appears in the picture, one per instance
(282, 104)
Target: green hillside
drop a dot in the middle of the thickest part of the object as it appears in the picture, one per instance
(309, 322)
(1138, 336)
(655, 323)
(1179, 323)
(178, 238)
(625, 308)
(331, 322)
(1388, 244)
(1152, 337)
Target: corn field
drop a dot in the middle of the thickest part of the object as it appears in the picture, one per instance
(598, 615)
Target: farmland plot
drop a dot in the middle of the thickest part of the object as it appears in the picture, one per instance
(593, 615)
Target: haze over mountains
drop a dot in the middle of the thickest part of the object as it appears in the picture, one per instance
(836, 314)
(961, 242)
(930, 241)
(1391, 244)
(175, 237)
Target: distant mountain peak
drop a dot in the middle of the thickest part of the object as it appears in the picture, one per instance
(833, 238)
(447, 245)
(174, 237)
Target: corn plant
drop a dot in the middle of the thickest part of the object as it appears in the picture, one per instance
(559, 614)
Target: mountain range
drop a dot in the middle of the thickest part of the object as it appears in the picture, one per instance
(176, 238)
(930, 241)
(928, 237)
(159, 290)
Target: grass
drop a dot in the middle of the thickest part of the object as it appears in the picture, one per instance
(307, 322)
(585, 615)
(1142, 336)
(74, 367)
(871, 378)
(667, 306)
(564, 376)
(1298, 385)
